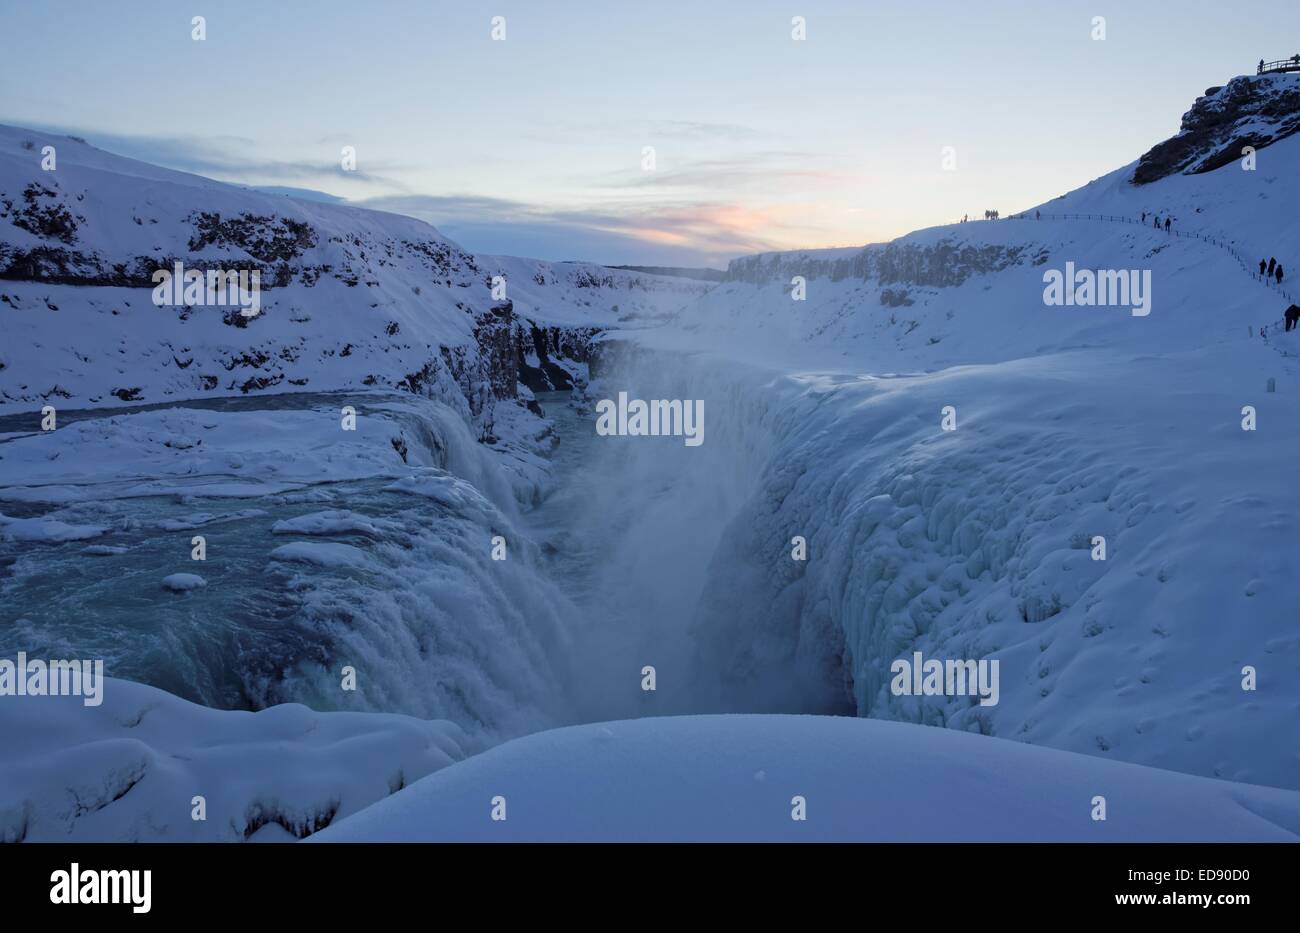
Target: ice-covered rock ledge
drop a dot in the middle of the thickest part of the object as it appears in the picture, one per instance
(130, 769)
(729, 778)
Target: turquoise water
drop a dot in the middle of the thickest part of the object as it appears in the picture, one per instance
(417, 609)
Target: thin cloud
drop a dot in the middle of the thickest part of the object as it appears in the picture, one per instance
(697, 233)
(720, 132)
(650, 131)
(759, 170)
(231, 159)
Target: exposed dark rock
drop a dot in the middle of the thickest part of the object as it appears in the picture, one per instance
(269, 239)
(548, 344)
(260, 382)
(700, 274)
(1251, 110)
(254, 359)
(895, 298)
(943, 264)
(43, 214)
(494, 331)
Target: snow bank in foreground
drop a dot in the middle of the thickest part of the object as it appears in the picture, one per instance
(733, 778)
(128, 770)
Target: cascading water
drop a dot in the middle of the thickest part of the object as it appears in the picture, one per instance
(384, 566)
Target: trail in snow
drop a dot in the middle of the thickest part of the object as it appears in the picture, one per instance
(1247, 266)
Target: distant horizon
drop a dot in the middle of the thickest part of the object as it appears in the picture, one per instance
(621, 136)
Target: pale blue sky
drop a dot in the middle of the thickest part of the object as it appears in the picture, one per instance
(533, 146)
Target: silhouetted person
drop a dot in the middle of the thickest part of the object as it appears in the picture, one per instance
(1157, 222)
(1271, 263)
(1261, 66)
(1279, 273)
(1144, 216)
(1166, 225)
(1262, 264)
(1292, 315)
(1038, 215)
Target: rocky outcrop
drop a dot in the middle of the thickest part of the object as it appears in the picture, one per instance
(498, 343)
(762, 268)
(515, 350)
(946, 263)
(42, 212)
(1251, 110)
(265, 238)
(547, 355)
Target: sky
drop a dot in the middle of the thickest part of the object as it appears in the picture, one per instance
(887, 117)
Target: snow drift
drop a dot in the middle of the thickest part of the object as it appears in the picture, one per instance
(735, 778)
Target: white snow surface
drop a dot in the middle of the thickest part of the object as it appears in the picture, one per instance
(183, 582)
(708, 778)
(129, 769)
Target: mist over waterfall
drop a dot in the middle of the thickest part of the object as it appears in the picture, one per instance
(643, 519)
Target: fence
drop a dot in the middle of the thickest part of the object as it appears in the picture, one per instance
(1284, 64)
(1251, 267)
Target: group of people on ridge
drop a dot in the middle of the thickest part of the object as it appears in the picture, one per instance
(1271, 269)
(1268, 269)
(1274, 270)
(1168, 221)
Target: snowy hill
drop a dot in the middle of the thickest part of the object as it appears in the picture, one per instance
(972, 292)
(734, 778)
(351, 297)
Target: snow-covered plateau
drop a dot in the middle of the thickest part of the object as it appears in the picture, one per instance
(393, 471)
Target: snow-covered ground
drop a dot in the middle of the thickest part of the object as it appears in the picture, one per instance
(131, 769)
(824, 420)
(704, 778)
